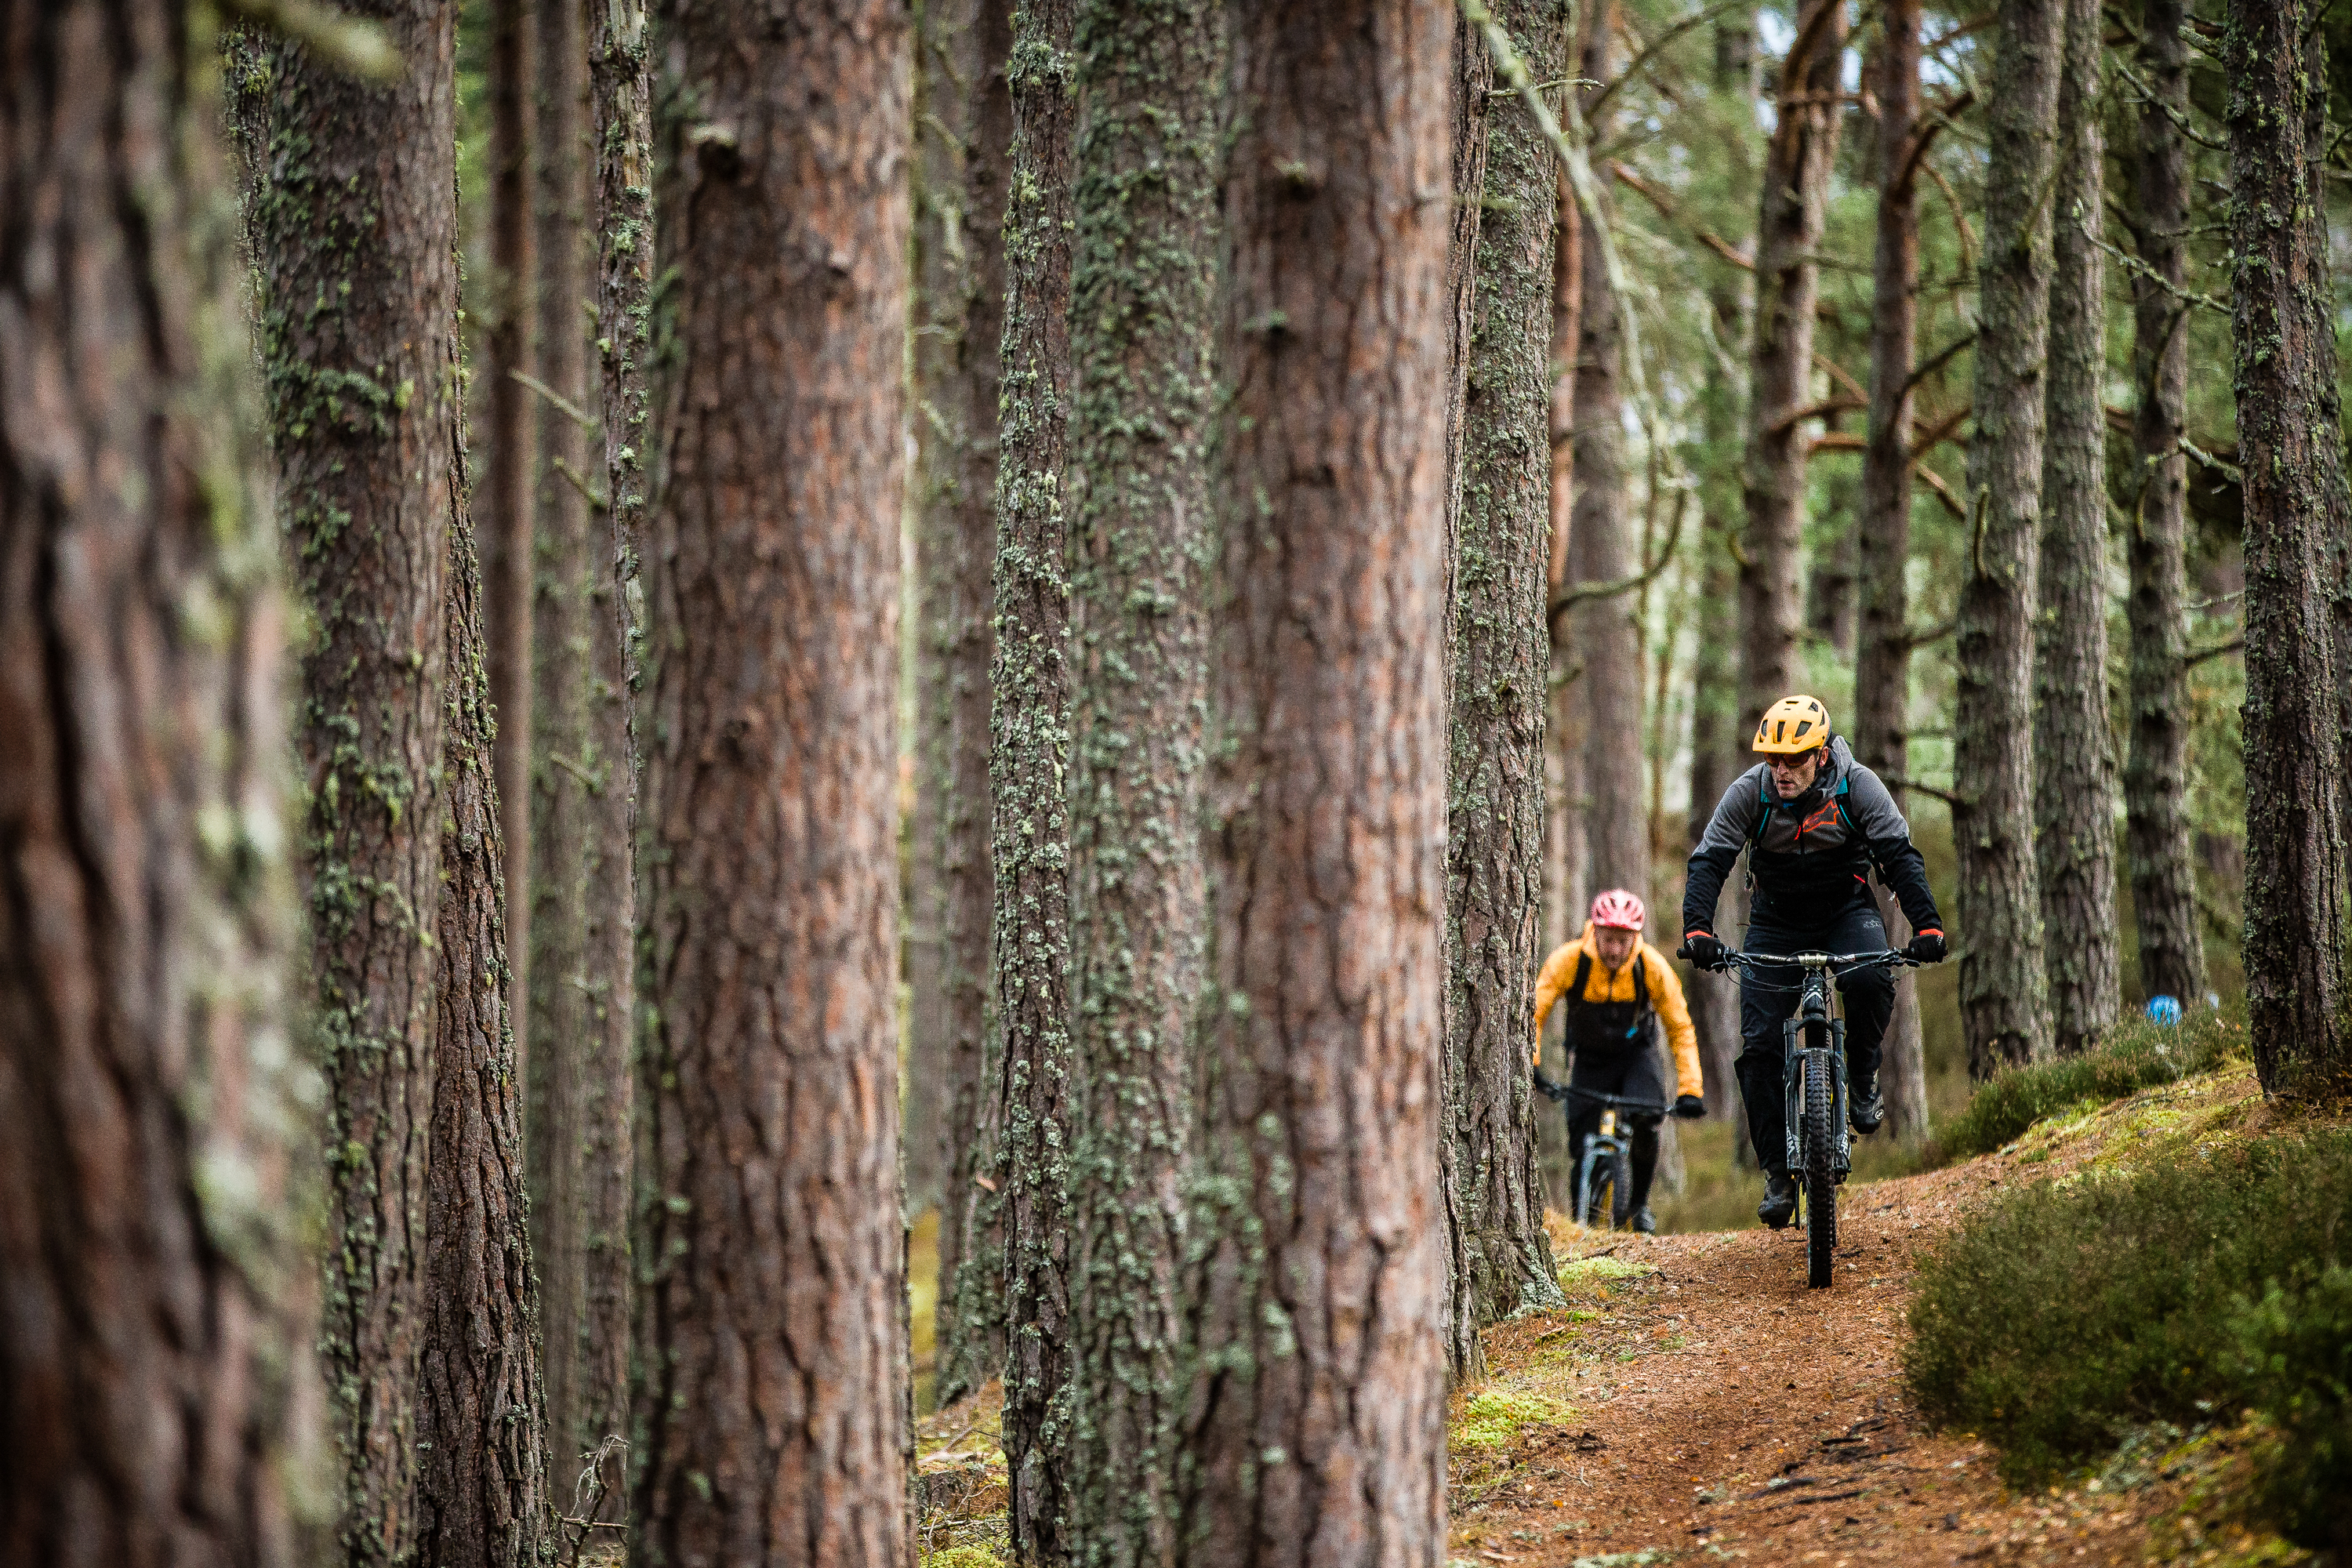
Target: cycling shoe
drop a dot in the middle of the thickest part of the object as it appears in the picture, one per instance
(1779, 1204)
(1865, 1113)
(1644, 1221)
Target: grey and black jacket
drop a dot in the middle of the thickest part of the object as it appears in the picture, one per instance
(1810, 856)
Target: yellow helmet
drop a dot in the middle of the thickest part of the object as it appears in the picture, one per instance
(1793, 724)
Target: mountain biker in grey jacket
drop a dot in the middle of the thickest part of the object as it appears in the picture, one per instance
(1813, 824)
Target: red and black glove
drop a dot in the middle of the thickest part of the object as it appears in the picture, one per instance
(1927, 947)
(1702, 948)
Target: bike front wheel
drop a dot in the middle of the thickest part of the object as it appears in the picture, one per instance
(1820, 1174)
(1608, 1190)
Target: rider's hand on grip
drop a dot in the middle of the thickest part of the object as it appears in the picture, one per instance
(1927, 947)
(1548, 1087)
(1689, 1107)
(1702, 948)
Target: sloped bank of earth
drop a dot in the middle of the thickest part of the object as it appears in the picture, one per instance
(1699, 1403)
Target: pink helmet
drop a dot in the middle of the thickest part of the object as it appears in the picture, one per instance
(1618, 909)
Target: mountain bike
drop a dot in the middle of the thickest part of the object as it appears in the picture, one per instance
(1604, 1176)
(1820, 1149)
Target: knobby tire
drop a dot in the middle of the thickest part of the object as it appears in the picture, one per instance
(1821, 1176)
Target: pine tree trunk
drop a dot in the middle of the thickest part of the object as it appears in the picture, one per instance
(1500, 1261)
(1881, 736)
(510, 428)
(2004, 1012)
(1603, 549)
(1564, 735)
(1790, 219)
(963, 134)
(569, 876)
(770, 1411)
(2294, 474)
(1320, 1413)
(620, 122)
(1142, 325)
(2156, 767)
(2074, 773)
(482, 1434)
(156, 1338)
(360, 405)
(1030, 692)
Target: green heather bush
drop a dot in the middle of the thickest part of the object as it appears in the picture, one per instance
(2063, 1314)
(2139, 1055)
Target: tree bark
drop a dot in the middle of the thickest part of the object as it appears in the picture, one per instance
(2004, 1010)
(1319, 1413)
(1142, 327)
(1564, 855)
(1500, 1259)
(620, 121)
(770, 1410)
(510, 345)
(1881, 679)
(1602, 548)
(567, 982)
(963, 133)
(1791, 215)
(158, 1400)
(2073, 761)
(481, 1482)
(2156, 767)
(359, 210)
(2293, 477)
(1029, 684)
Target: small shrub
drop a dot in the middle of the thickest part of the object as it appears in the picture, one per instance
(2062, 1315)
(2139, 1055)
(1496, 1417)
(2293, 1364)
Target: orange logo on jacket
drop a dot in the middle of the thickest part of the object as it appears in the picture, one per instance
(1827, 812)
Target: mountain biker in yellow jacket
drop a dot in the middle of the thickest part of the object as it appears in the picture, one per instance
(1616, 987)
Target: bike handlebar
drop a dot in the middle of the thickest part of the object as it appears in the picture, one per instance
(1832, 961)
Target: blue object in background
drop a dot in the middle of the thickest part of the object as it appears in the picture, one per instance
(2164, 1009)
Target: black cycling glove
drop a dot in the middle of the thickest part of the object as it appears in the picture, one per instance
(1548, 1087)
(1927, 947)
(1689, 1107)
(1703, 948)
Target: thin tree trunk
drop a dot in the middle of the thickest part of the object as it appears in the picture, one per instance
(1474, 82)
(158, 1400)
(1563, 735)
(2294, 474)
(1603, 549)
(1500, 1261)
(1882, 681)
(1789, 226)
(2004, 1012)
(1142, 326)
(2075, 771)
(1831, 582)
(770, 1408)
(962, 137)
(1320, 1416)
(360, 404)
(509, 346)
(620, 99)
(569, 874)
(1029, 752)
(2155, 768)
(481, 1482)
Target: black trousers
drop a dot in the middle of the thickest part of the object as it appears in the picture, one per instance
(1768, 997)
(1631, 1075)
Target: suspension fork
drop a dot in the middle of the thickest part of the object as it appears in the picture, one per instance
(1797, 1058)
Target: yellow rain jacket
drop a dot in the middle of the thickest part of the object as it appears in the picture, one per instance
(1666, 990)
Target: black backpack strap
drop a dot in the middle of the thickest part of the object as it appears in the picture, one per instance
(1640, 984)
(1583, 973)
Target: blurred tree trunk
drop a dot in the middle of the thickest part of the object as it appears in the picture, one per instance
(1882, 681)
(771, 1407)
(1500, 1259)
(362, 401)
(2294, 470)
(509, 346)
(2155, 768)
(1564, 847)
(1789, 226)
(1602, 548)
(1832, 582)
(157, 1336)
(571, 868)
(1030, 692)
(2004, 1003)
(963, 127)
(1142, 330)
(1320, 1283)
(2073, 760)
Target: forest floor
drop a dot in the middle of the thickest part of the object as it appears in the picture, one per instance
(1696, 1403)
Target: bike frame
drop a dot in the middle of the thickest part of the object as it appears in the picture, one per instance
(1814, 1042)
(1607, 1141)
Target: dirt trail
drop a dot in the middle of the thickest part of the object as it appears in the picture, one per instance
(1717, 1408)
